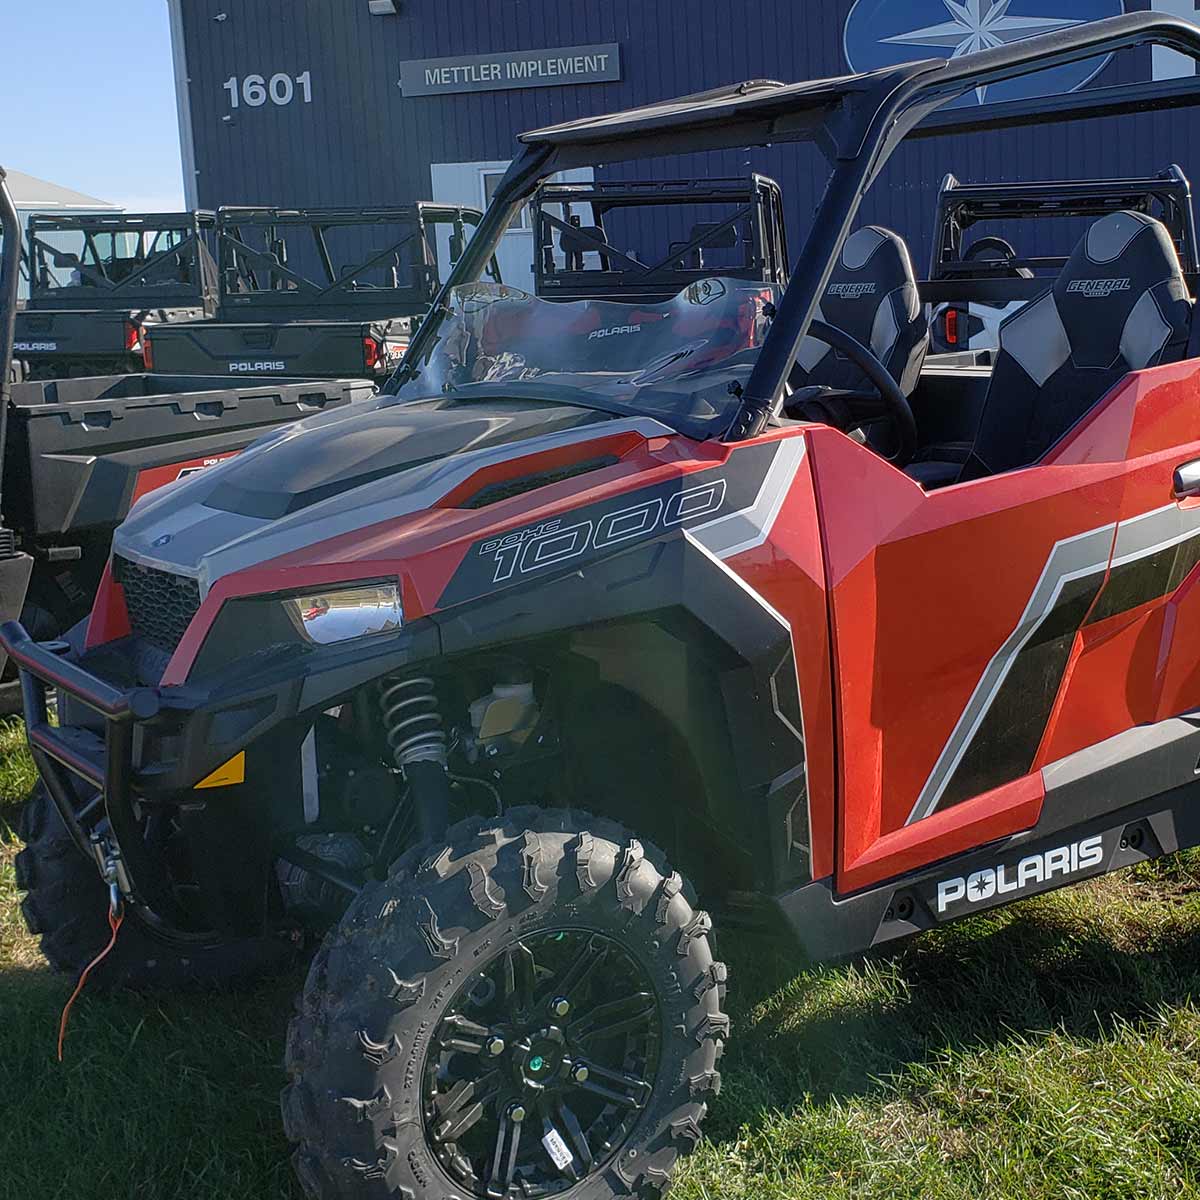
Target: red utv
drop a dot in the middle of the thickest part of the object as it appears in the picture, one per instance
(879, 642)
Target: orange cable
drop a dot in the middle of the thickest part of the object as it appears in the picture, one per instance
(114, 923)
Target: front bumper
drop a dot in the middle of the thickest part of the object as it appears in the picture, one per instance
(117, 750)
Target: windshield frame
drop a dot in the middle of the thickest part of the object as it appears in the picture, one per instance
(857, 121)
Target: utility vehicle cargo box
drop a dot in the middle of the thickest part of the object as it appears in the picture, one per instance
(81, 450)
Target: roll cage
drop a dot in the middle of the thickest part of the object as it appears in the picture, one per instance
(1166, 196)
(280, 263)
(571, 220)
(856, 120)
(121, 261)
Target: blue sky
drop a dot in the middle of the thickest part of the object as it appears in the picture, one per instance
(87, 98)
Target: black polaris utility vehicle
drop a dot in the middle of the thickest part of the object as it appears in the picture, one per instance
(647, 240)
(98, 283)
(317, 293)
(442, 678)
(999, 279)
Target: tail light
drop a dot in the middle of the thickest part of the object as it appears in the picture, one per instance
(147, 352)
(371, 353)
(133, 336)
(952, 327)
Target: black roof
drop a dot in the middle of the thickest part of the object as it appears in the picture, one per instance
(763, 111)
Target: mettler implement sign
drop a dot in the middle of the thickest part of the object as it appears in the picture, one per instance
(511, 69)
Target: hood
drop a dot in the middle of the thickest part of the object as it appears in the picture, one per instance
(334, 473)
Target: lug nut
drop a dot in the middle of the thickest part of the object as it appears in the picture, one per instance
(560, 1007)
(580, 1074)
(516, 1114)
(495, 1046)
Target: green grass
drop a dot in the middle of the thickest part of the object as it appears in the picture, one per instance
(1050, 1050)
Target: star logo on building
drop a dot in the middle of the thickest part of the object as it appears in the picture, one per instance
(978, 25)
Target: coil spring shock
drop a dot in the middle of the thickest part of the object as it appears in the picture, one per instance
(412, 720)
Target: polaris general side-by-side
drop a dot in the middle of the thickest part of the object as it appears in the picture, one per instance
(98, 283)
(317, 293)
(738, 580)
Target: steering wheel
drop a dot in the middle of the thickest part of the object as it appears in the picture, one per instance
(991, 249)
(854, 410)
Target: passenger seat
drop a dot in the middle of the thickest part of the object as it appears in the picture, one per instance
(1120, 304)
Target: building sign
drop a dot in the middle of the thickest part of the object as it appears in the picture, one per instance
(882, 33)
(511, 69)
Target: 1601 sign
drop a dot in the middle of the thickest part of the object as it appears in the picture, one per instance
(281, 88)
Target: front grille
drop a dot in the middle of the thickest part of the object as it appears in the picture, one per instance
(161, 605)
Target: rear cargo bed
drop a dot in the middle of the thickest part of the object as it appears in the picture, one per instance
(81, 450)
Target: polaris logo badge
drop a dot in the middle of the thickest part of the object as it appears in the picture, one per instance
(990, 882)
(1098, 289)
(615, 331)
(851, 291)
(34, 347)
(236, 368)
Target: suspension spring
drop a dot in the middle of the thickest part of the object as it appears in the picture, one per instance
(412, 720)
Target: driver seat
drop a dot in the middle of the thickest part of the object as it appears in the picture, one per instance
(1120, 304)
(872, 296)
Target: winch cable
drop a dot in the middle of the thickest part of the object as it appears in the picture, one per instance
(116, 914)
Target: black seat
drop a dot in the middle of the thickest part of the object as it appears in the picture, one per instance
(872, 296)
(1119, 305)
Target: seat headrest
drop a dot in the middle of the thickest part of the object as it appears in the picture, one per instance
(1122, 293)
(872, 296)
(874, 263)
(875, 251)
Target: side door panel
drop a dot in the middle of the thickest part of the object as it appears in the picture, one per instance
(1137, 658)
(953, 615)
(987, 629)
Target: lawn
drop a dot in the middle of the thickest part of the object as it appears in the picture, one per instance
(1052, 1050)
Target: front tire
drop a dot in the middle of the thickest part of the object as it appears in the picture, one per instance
(457, 1001)
(66, 906)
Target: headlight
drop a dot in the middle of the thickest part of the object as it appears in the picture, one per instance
(341, 614)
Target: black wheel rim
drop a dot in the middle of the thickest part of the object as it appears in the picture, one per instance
(542, 1065)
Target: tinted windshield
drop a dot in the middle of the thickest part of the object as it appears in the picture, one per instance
(674, 361)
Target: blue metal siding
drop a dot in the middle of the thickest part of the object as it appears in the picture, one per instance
(361, 141)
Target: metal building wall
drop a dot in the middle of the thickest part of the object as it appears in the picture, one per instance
(360, 141)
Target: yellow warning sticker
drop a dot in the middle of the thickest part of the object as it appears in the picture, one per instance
(234, 771)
